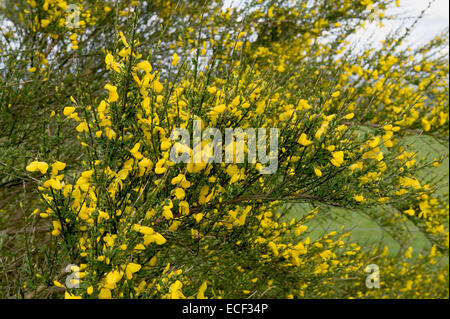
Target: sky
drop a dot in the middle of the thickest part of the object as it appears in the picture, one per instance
(435, 20)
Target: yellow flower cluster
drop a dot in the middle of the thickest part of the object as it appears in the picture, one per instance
(142, 226)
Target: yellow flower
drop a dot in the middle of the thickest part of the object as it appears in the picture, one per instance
(154, 238)
(135, 151)
(110, 63)
(112, 278)
(167, 213)
(219, 109)
(201, 290)
(180, 193)
(144, 66)
(56, 228)
(34, 166)
(160, 170)
(157, 86)
(68, 295)
(165, 145)
(57, 166)
(175, 290)
(125, 52)
(123, 39)
(105, 293)
(109, 59)
(159, 239)
(146, 230)
(408, 253)
(359, 198)
(82, 127)
(45, 22)
(338, 158)
(175, 59)
(349, 116)
(303, 140)
(383, 199)
(53, 183)
(113, 96)
(145, 165)
(198, 217)
(131, 269)
(212, 89)
(303, 104)
(317, 171)
(68, 110)
(178, 179)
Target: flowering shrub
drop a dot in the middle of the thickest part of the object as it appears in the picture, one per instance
(102, 97)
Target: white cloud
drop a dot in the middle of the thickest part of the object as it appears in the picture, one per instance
(434, 21)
